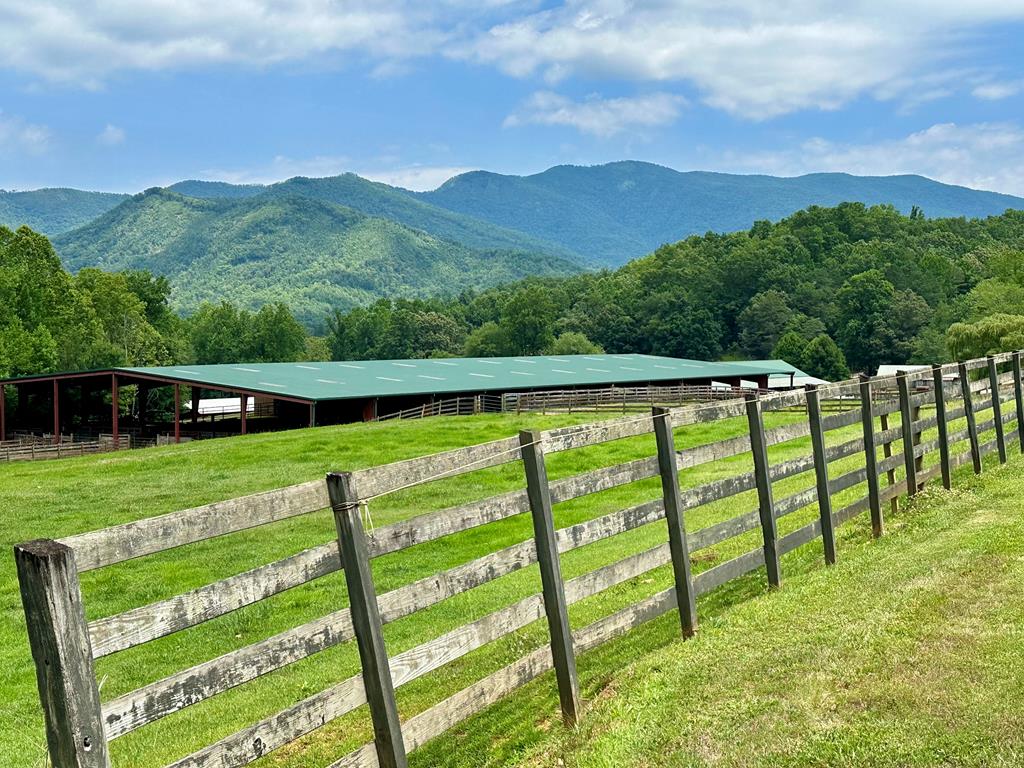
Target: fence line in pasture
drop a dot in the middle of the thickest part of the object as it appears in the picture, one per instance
(80, 725)
(66, 447)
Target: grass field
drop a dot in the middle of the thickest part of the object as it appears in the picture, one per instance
(58, 498)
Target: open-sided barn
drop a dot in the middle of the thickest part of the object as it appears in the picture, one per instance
(310, 393)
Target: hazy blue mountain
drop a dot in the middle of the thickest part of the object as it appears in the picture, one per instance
(310, 253)
(52, 211)
(611, 213)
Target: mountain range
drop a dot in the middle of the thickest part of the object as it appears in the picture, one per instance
(337, 241)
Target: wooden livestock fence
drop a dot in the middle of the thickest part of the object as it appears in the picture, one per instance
(599, 400)
(81, 724)
(66, 447)
(468, 405)
(623, 399)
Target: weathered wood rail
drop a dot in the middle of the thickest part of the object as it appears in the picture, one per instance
(886, 461)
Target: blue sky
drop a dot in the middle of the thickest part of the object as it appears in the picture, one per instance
(127, 94)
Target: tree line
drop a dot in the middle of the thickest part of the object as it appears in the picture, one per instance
(829, 290)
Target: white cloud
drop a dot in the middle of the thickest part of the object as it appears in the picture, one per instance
(994, 91)
(597, 116)
(111, 136)
(983, 156)
(753, 58)
(18, 135)
(83, 41)
(420, 178)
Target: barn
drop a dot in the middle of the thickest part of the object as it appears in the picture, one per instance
(205, 400)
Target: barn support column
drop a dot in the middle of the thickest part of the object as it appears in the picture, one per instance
(142, 397)
(115, 407)
(3, 413)
(245, 407)
(312, 414)
(177, 413)
(195, 405)
(56, 412)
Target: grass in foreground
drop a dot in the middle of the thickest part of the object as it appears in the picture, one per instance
(907, 653)
(54, 499)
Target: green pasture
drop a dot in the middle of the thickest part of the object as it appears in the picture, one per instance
(58, 498)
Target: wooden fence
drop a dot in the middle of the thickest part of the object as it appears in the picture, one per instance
(33, 450)
(80, 725)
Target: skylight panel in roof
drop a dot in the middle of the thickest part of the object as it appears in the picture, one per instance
(598, 359)
(628, 368)
(482, 375)
(445, 362)
(247, 370)
(387, 378)
(599, 370)
(271, 384)
(308, 367)
(405, 365)
(330, 381)
(350, 365)
(559, 370)
(490, 362)
(521, 373)
(432, 378)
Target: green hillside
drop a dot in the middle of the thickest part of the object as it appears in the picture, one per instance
(311, 254)
(53, 211)
(611, 213)
(376, 199)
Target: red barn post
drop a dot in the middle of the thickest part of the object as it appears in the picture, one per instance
(114, 411)
(177, 413)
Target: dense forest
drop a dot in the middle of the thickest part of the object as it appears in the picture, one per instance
(303, 249)
(829, 290)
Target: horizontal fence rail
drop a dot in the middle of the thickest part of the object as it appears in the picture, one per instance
(837, 438)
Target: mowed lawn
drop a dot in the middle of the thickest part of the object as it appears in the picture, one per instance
(57, 498)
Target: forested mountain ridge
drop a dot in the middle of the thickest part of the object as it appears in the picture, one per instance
(53, 211)
(376, 199)
(602, 215)
(618, 211)
(311, 254)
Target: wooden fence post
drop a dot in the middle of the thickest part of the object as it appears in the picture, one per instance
(940, 418)
(997, 408)
(972, 424)
(555, 607)
(907, 431)
(867, 418)
(669, 470)
(1018, 396)
(59, 637)
(765, 500)
(828, 536)
(373, 656)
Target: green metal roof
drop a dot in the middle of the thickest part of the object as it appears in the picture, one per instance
(383, 378)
